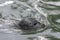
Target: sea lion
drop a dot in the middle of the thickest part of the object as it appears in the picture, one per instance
(30, 24)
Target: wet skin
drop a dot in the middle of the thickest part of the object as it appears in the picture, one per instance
(30, 24)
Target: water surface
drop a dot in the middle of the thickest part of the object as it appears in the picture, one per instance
(45, 11)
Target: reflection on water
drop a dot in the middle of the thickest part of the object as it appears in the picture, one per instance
(45, 11)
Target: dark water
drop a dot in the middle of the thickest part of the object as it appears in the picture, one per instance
(45, 11)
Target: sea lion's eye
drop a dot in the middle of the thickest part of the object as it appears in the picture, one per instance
(35, 23)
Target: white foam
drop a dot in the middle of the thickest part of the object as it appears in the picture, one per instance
(6, 3)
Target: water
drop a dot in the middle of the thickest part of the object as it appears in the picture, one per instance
(45, 11)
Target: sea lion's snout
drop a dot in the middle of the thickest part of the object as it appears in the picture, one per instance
(39, 25)
(30, 24)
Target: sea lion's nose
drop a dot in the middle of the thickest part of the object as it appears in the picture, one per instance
(42, 26)
(39, 26)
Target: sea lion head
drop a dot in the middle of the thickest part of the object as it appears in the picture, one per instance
(30, 24)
